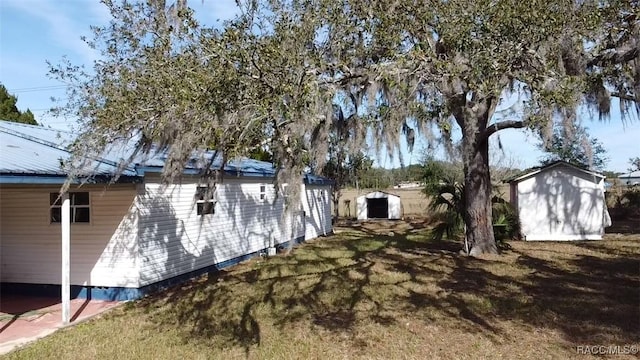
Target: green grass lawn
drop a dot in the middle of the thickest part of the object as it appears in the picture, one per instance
(364, 295)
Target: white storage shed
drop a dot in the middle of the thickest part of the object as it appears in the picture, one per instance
(379, 205)
(560, 202)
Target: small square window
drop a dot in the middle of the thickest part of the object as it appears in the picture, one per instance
(205, 200)
(263, 192)
(81, 215)
(205, 208)
(79, 209)
(79, 198)
(55, 199)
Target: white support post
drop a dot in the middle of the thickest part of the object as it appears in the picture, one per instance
(66, 240)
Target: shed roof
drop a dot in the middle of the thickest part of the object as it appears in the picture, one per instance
(36, 154)
(536, 170)
(378, 194)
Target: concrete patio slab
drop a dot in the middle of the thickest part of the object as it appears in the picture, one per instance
(24, 319)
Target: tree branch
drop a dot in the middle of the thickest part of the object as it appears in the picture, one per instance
(260, 72)
(622, 96)
(506, 124)
(617, 57)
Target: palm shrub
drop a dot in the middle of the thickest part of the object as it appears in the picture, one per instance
(444, 186)
(447, 200)
(506, 218)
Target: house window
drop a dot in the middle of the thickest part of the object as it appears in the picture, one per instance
(79, 210)
(205, 200)
(263, 193)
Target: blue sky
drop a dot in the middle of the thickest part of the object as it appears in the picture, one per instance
(34, 31)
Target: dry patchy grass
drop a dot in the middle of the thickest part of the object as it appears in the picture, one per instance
(362, 294)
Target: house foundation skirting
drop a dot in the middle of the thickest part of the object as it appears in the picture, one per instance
(127, 293)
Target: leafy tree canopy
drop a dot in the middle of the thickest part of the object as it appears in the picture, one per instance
(635, 164)
(9, 111)
(573, 144)
(396, 68)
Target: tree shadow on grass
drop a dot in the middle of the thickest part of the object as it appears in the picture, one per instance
(340, 282)
(594, 299)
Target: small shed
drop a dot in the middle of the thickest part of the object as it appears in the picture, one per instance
(379, 205)
(560, 202)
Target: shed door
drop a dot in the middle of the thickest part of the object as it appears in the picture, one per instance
(378, 208)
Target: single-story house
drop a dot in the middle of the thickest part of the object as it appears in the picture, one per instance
(630, 179)
(560, 202)
(379, 205)
(409, 185)
(137, 234)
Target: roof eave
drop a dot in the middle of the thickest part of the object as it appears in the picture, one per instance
(48, 179)
(550, 166)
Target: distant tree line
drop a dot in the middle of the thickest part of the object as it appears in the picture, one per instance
(9, 111)
(380, 178)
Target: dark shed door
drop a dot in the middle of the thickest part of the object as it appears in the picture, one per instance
(378, 208)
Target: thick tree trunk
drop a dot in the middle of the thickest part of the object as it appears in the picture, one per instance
(477, 193)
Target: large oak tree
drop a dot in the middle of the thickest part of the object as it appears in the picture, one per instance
(453, 62)
(273, 75)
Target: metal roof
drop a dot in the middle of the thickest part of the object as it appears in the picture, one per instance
(28, 150)
(242, 166)
(378, 194)
(31, 153)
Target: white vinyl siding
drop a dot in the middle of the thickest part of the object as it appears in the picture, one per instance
(137, 237)
(174, 241)
(103, 252)
(317, 208)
